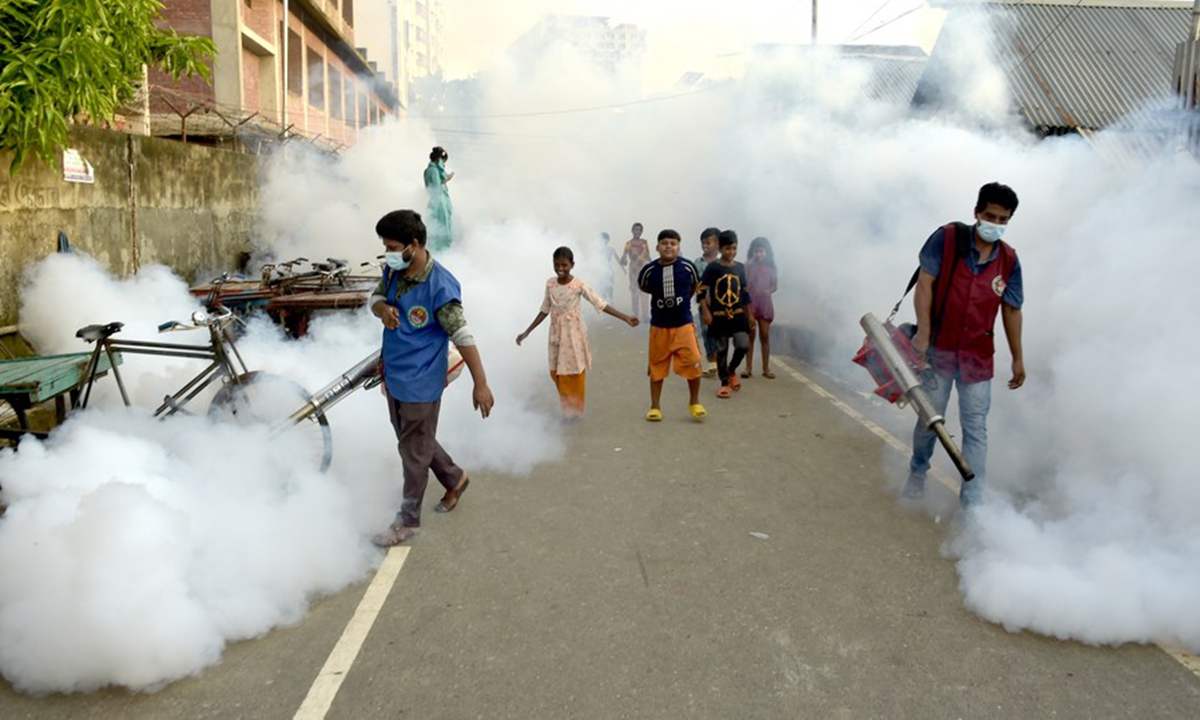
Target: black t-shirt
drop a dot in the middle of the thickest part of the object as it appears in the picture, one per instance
(671, 288)
(725, 288)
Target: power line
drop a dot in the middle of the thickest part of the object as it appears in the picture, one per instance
(869, 17)
(881, 26)
(566, 111)
(1047, 37)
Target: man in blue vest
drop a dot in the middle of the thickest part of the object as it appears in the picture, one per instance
(968, 275)
(420, 305)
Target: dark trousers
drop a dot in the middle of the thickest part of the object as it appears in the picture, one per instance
(725, 367)
(420, 452)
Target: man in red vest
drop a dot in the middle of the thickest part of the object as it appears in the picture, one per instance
(968, 275)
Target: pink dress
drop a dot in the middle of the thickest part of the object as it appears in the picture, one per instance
(570, 353)
(761, 280)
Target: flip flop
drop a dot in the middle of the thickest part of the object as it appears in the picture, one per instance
(724, 393)
(450, 500)
(698, 412)
(655, 415)
(734, 383)
(394, 535)
(768, 374)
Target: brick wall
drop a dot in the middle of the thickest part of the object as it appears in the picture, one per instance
(187, 17)
(261, 16)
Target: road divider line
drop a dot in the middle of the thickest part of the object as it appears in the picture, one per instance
(1183, 657)
(882, 434)
(325, 688)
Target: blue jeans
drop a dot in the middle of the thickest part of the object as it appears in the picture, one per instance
(974, 401)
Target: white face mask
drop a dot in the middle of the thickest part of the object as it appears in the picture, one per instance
(396, 261)
(990, 232)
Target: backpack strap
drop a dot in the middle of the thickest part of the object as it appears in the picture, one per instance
(954, 246)
(957, 245)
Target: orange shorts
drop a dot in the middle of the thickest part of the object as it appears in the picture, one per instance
(678, 343)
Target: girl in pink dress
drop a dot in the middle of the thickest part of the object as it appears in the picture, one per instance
(761, 280)
(570, 354)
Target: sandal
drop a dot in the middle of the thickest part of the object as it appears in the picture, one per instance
(734, 383)
(394, 535)
(698, 412)
(654, 415)
(724, 393)
(768, 374)
(747, 373)
(450, 499)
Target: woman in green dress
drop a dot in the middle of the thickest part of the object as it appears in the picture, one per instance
(437, 217)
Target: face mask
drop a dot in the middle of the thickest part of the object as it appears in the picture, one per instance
(396, 261)
(990, 232)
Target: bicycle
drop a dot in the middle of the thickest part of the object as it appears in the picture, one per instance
(244, 395)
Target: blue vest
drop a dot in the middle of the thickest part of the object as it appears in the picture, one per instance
(415, 354)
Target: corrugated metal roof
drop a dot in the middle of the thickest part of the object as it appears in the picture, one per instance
(895, 70)
(1087, 64)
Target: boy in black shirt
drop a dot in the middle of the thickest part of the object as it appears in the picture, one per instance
(723, 303)
(671, 282)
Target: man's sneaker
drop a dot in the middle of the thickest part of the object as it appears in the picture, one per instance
(914, 488)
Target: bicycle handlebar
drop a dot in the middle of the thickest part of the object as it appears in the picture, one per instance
(199, 319)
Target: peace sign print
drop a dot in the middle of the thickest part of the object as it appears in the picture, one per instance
(728, 290)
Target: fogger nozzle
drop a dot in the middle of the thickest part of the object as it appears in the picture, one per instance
(913, 389)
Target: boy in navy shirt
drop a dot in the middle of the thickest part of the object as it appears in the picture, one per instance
(671, 282)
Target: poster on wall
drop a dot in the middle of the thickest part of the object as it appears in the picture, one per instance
(76, 169)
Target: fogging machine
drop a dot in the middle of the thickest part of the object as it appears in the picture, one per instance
(888, 354)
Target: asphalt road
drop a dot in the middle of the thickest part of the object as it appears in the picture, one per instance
(625, 582)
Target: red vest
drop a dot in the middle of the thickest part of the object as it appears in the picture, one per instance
(965, 338)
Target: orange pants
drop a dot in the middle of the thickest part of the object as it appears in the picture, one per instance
(572, 392)
(676, 344)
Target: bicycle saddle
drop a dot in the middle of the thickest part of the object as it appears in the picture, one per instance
(92, 333)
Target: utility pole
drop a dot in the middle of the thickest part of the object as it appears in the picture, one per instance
(814, 19)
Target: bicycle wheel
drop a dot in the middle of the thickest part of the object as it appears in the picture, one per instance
(260, 397)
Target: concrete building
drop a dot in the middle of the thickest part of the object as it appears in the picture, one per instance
(610, 47)
(407, 38)
(332, 90)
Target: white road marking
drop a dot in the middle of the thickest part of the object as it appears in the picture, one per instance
(884, 435)
(337, 665)
(1185, 658)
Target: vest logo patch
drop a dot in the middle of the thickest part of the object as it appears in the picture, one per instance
(418, 317)
(998, 285)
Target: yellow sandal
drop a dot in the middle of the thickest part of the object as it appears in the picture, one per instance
(698, 412)
(654, 415)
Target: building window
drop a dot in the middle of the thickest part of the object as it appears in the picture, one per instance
(420, 34)
(335, 92)
(348, 11)
(295, 62)
(316, 80)
(420, 9)
(348, 97)
(362, 109)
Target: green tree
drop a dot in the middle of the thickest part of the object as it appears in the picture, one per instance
(61, 60)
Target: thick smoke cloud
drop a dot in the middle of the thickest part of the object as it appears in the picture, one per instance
(1090, 530)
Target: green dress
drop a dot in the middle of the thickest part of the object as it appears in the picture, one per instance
(437, 215)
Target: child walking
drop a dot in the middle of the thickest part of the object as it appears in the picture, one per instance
(723, 302)
(708, 246)
(671, 282)
(570, 354)
(635, 256)
(762, 281)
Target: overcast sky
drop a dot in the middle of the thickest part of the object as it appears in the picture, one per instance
(689, 35)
